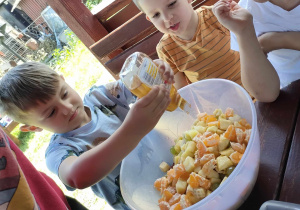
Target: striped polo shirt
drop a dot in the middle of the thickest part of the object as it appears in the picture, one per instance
(207, 55)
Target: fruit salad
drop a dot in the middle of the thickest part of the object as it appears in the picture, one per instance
(204, 157)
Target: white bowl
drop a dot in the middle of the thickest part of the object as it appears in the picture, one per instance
(140, 168)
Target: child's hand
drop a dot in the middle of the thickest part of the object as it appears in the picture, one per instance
(232, 16)
(145, 113)
(166, 71)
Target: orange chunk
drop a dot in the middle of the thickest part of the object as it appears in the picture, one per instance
(168, 193)
(248, 134)
(211, 140)
(211, 118)
(209, 166)
(236, 157)
(161, 184)
(175, 199)
(244, 123)
(229, 112)
(201, 116)
(163, 205)
(180, 172)
(206, 158)
(201, 149)
(214, 123)
(196, 181)
(176, 206)
(238, 147)
(240, 135)
(230, 133)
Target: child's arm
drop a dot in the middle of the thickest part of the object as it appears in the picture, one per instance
(258, 75)
(93, 165)
(279, 40)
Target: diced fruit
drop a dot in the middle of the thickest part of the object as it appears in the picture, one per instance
(223, 162)
(175, 199)
(201, 148)
(163, 205)
(212, 129)
(164, 167)
(217, 112)
(206, 158)
(238, 147)
(223, 143)
(235, 118)
(229, 112)
(161, 184)
(224, 124)
(191, 147)
(236, 157)
(224, 179)
(190, 134)
(189, 164)
(176, 206)
(229, 170)
(181, 186)
(200, 129)
(227, 152)
(212, 140)
(230, 133)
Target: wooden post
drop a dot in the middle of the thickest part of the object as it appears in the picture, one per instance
(79, 19)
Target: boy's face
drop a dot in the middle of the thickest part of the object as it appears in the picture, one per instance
(170, 16)
(62, 113)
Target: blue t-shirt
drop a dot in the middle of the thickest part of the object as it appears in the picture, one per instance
(109, 105)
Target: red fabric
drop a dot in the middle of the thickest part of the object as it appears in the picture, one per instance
(46, 193)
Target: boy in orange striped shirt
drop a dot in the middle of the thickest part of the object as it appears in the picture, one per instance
(195, 44)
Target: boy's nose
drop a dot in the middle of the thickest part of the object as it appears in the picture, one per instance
(66, 108)
(167, 17)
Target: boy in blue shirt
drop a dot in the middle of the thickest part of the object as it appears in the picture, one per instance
(91, 136)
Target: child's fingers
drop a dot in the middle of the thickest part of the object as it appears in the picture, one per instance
(147, 99)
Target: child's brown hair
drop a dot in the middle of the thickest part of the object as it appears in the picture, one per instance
(22, 87)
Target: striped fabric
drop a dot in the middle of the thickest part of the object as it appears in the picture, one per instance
(207, 55)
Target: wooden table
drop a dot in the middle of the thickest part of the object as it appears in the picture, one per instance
(279, 132)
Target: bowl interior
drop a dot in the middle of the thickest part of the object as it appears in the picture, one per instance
(140, 168)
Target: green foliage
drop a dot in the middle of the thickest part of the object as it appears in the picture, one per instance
(91, 3)
(24, 137)
(60, 56)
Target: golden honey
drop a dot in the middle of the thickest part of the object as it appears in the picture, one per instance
(139, 74)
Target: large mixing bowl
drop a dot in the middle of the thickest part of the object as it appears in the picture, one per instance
(140, 168)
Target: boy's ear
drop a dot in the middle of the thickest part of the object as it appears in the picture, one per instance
(61, 76)
(190, 1)
(29, 128)
(148, 18)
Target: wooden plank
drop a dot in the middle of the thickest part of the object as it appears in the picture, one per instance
(275, 124)
(121, 36)
(145, 46)
(79, 19)
(103, 13)
(290, 190)
(121, 17)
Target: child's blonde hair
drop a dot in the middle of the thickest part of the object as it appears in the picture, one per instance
(24, 86)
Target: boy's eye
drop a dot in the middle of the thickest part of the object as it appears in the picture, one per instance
(65, 94)
(172, 3)
(156, 15)
(51, 114)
